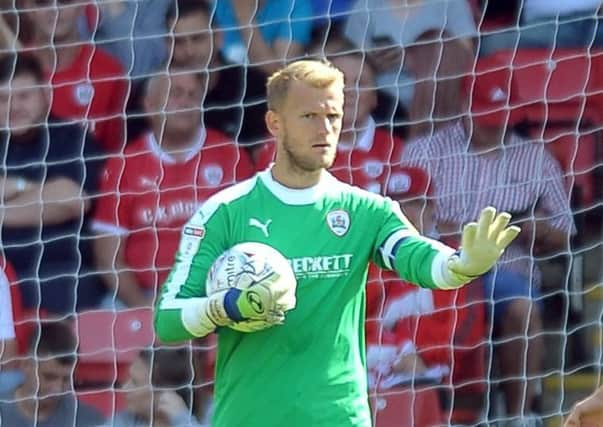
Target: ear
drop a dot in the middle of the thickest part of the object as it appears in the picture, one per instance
(273, 123)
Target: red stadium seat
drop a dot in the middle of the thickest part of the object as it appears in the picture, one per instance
(108, 342)
(558, 85)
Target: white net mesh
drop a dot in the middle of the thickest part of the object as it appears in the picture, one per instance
(91, 224)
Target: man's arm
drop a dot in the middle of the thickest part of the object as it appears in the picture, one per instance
(431, 264)
(184, 310)
(56, 201)
(109, 254)
(270, 57)
(589, 409)
(553, 222)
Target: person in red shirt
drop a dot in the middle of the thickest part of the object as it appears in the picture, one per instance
(87, 83)
(148, 193)
(417, 331)
(365, 151)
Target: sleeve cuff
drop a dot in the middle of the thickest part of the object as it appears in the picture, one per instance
(441, 275)
(194, 317)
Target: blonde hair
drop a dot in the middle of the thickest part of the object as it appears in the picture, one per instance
(317, 73)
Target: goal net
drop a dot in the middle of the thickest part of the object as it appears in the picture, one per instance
(118, 119)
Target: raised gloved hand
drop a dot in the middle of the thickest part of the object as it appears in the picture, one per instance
(482, 244)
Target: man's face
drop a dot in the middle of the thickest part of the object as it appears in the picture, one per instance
(194, 44)
(309, 124)
(489, 132)
(178, 98)
(55, 19)
(23, 104)
(49, 379)
(360, 95)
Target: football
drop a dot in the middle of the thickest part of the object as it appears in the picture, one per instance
(248, 264)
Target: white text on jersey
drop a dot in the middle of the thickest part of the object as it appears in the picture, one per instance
(321, 267)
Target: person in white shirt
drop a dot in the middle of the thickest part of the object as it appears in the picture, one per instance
(415, 44)
(9, 376)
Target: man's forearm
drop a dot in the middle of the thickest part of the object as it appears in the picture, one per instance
(52, 203)
(422, 261)
(127, 287)
(183, 321)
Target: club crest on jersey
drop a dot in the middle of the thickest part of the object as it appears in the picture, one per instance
(339, 222)
(213, 174)
(83, 93)
(373, 168)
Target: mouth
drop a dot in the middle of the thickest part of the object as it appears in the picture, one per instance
(322, 145)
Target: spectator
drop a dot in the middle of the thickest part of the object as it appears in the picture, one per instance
(45, 398)
(478, 161)
(9, 377)
(264, 33)
(235, 99)
(8, 41)
(88, 84)
(150, 192)
(133, 32)
(427, 41)
(49, 173)
(433, 335)
(546, 24)
(366, 150)
(159, 390)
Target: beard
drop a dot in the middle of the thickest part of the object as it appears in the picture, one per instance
(303, 163)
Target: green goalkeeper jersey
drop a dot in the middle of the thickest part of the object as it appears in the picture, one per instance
(311, 370)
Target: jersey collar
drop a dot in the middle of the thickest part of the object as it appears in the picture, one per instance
(188, 153)
(291, 196)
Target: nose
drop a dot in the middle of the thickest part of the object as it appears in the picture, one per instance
(189, 46)
(324, 126)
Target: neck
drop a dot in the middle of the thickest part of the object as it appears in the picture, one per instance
(161, 420)
(214, 74)
(56, 57)
(174, 141)
(31, 407)
(286, 173)
(30, 135)
(483, 140)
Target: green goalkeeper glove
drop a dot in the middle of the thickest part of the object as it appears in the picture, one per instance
(263, 301)
(482, 244)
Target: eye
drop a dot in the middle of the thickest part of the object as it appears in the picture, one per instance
(334, 116)
(309, 115)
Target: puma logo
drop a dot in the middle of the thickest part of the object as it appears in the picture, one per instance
(254, 222)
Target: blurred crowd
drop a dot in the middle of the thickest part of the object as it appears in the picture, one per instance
(118, 118)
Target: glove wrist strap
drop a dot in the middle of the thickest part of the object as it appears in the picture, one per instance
(230, 305)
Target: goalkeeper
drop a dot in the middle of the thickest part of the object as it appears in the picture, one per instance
(308, 369)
